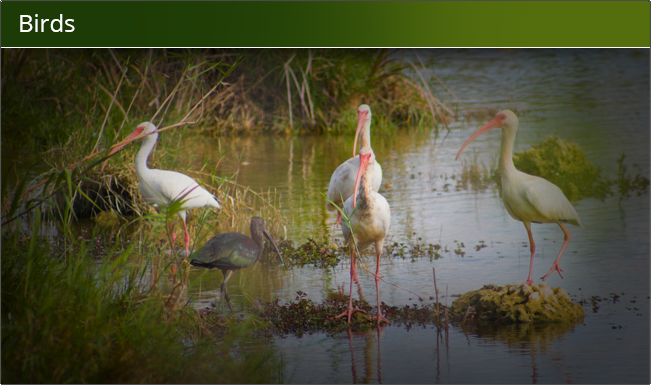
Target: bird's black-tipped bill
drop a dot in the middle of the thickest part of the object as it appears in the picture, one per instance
(266, 234)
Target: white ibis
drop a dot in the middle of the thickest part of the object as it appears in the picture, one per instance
(342, 182)
(528, 198)
(370, 216)
(162, 187)
(233, 251)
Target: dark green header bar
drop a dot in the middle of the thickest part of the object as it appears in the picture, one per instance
(327, 24)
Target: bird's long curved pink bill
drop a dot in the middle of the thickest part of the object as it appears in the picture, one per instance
(364, 161)
(360, 123)
(487, 127)
(135, 135)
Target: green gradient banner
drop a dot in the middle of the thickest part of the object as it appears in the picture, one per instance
(327, 24)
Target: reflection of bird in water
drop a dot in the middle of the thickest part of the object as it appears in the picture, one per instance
(528, 198)
(369, 338)
(162, 187)
(233, 251)
(370, 217)
(342, 181)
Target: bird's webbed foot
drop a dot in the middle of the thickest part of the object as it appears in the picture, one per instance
(554, 267)
(349, 312)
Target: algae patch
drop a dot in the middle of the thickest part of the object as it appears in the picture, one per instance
(517, 303)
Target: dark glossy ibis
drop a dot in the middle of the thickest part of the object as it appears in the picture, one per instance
(233, 251)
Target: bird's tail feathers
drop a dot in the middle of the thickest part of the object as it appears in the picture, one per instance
(215, 203)
(198, 263)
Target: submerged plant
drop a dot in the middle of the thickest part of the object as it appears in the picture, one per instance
(628, 184)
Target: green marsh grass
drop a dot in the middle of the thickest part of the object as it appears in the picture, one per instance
(67, 317)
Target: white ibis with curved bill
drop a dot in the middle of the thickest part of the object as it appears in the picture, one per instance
(162, 187)
(370, 217)
(342, 181)
(233, 251)
(528, 198)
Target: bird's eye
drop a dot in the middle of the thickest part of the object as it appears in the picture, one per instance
(503, 117)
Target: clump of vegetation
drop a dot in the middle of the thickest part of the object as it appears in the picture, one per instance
(563, 164)
(302, 315)
(403, 251)
(311, 252)
(325, 255)
(516, 303)
(319, 90)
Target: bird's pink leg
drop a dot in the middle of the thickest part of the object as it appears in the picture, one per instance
(338, 218)
(187, 240)
(380, 318)
(353, 266)
(349, 312)
(555, 264)
(532, 247)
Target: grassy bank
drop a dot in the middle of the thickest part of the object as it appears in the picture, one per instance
(73, 314)
(67, 104)
(49, 94)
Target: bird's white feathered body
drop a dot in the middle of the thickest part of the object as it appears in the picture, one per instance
(342, 182)
(528, 198)
(161, 187)
(372, 225)
(371, 215)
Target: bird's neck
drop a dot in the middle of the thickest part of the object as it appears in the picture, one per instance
(258, 238)
(365, 194)
(146, 148)
(365, 136)
(506, 153)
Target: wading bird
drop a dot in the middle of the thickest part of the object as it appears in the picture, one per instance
(233, 251)
(370, 216)
(528, 198)
(342, 182)
(162, 187)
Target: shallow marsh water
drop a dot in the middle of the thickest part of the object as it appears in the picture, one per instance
(596, 98)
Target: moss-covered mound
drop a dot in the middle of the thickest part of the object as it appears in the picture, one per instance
(564, 164)
(516, 303)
